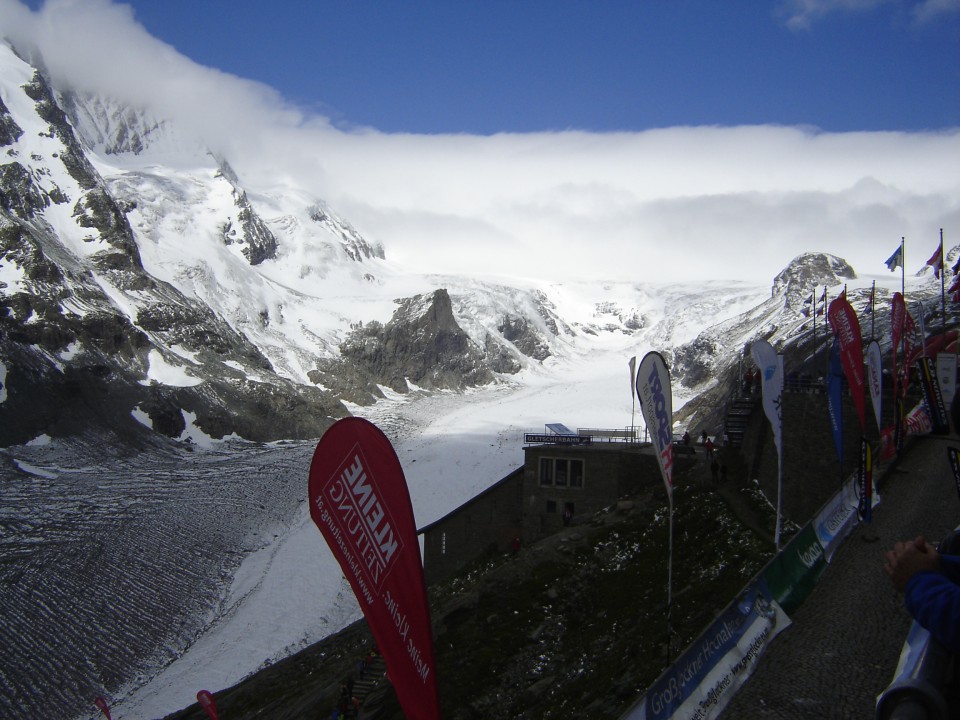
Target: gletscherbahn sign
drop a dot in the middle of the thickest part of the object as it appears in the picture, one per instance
(557, 439)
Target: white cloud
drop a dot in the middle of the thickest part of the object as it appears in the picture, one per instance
(802, 14)
(666, 204)
(674, 203)
(96, 45)
(930, 11)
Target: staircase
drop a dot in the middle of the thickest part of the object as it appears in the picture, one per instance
(738, 417)
(372, 674)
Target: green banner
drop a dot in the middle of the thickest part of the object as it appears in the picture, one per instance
(795, 571)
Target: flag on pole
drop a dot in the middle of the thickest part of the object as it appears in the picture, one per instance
(360, 502)
(895, 260)
(875, 378)
(656, 402)
(101, 703)
(936, 261)
(770, 366)
(953, 455)
(846, 327)
(835, 396)
(205, 698)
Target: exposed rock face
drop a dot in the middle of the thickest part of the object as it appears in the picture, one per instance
(250, 231)
(258, 243)
(354, 244)
(9, 130)
(807, 271)
(519, 331)
(422, 344)
(79, 333)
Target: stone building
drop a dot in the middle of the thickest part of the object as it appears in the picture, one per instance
(561, 480)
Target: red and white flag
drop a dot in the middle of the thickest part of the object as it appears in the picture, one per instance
(936, 261)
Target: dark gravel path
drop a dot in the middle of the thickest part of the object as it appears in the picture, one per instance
(844, 644)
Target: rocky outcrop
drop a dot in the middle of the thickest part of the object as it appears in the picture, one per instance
(809, 270)
(422, 345)
(523, 335)
(250, 232)
(9, 130)
(353, 243)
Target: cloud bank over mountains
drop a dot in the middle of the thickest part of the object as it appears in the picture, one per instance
(663, 204)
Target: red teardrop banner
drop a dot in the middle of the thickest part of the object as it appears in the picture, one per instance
(205, 698)
(101, 703)
(846, 326)
(360, 502)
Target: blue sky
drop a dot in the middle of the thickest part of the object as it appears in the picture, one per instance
(482, 67)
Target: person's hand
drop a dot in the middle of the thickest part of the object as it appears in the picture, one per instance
(908, 558)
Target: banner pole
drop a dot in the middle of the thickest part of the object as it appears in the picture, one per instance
(670, 586)
(943, 297)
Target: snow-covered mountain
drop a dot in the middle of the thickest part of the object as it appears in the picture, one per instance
(138, 267)
(145, 283)
(149, 293)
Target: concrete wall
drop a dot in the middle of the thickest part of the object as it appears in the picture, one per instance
(489, 521)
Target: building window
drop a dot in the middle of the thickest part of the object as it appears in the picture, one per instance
(576, 473)
(560, 472)
(443, 543)
(546, 471)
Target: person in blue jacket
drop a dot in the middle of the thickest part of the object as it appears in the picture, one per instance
(930, 583)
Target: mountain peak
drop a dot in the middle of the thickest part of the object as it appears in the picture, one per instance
(809, 270)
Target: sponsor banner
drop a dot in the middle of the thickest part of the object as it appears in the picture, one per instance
(918, 677)
(875, 378)
(207, 703)
(898, 312)
(953, 455)
(770, 367)
(101, 704)
(900, 423)
(933, 397)
(910, 351)
(838, 517)
(865, 481)
(793, 573)
(888, 443)
(835, 398)
(700, 684)
(360, 502)
(947, 375)
(846, 328)
(918, 421)
(771, 376)
(656, 404)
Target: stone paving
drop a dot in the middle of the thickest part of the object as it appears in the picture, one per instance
(845, 641)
